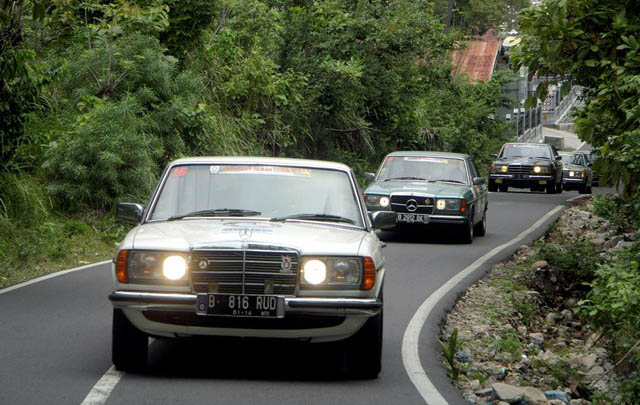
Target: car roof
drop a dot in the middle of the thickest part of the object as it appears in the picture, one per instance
(451, 155)
(527, 143)
(251, 160)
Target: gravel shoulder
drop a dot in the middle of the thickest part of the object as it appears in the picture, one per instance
(520, 336)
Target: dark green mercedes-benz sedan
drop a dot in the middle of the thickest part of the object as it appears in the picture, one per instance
(425, 188)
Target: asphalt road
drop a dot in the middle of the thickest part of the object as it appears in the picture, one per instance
(55, 335)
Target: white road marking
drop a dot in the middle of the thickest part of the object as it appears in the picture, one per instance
(52, 275)
(578, 197)
(410, 340)
(105, 385)
(101, 391)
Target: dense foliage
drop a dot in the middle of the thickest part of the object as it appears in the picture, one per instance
(595, 42)
(127, 86)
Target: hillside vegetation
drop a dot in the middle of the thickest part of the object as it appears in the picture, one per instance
(98, 96)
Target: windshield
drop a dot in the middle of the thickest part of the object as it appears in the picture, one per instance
(524, 150)
(572, 159)
(256, 191)
(423, 168)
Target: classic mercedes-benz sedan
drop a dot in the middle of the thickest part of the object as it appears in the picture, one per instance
(576, 173)
(423, 188)
(251, 247)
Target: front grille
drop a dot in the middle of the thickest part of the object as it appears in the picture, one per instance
(520, 169)
(244, 271)
(400, 203)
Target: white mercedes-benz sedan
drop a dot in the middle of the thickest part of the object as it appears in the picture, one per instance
(251, 247)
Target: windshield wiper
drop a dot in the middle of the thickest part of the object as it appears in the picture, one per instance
(450, 181)
(315, 217)
(220, 212)
(542, 157)
(406, 178)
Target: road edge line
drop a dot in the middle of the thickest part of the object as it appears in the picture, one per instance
(52, 275)
(410, 339)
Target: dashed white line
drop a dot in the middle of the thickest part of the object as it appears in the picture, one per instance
(101, 391)
(410, 340)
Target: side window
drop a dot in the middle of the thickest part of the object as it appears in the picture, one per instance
(472, 168)
(554, 151)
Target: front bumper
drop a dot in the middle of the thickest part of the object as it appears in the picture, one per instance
(308, 318)
(572, 182)
(187, 302)
(441, 219)
(522, 180)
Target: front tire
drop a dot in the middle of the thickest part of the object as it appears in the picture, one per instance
(364, 349)
(467, 231)
(493, 187)
(551, 188)
(129, 346)
(481, 227)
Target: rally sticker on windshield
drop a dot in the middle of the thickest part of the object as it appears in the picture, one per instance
(265, 170)
(426, 159)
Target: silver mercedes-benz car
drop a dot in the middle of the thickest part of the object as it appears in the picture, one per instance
(251, 247)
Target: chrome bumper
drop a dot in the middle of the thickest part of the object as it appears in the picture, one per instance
(187, 302)
(510, 177)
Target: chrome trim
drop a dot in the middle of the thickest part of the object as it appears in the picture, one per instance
(452, 217)
(541, 177)
(187, 302)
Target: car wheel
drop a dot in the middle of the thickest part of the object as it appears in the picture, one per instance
(559, 188)
(551, 188)
(493, 186)
(364, 349)
(129, 345)
(467, 231)
(481, 227)
(504, 188)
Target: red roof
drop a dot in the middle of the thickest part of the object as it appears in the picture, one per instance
(477, 59)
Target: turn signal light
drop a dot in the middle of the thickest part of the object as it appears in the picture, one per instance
(369, 279)
(121, 267)
(463, 206)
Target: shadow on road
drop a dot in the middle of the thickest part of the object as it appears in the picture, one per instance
(429, 234)
(236, 358)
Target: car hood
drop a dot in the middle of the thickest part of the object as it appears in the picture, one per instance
(524, 161)
(414, 186)
(573, 167)
(183, 235)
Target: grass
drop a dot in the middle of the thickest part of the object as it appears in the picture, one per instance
(57, 243)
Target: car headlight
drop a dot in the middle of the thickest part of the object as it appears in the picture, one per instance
(449, 204)
(149, 266)
(332, 271)
(377, 200)
(504, 169)
(572, 174)
(541, 169)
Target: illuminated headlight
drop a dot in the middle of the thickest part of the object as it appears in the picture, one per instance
(332, 271)
(377, 200)
(156, 266)
(504, 169)
(314, 271)
(541, 169)
(572, 174)
(448, 204)
(174, 267)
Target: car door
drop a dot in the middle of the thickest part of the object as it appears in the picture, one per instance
(479, 191)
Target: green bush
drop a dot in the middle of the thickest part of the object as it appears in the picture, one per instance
(578, 258)
(108, 155)
(23, 199)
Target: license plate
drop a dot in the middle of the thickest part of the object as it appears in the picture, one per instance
(242, 305)
(413, 218)
(543, 182)
(498, 181)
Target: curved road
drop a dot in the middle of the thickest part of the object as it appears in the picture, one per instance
(55, 335)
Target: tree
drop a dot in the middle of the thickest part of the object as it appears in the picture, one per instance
(596, 44)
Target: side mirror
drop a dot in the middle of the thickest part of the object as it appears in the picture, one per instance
(590, 164)
(558, 157)
(478, 181)
(494, 155)
(130, 212)
(369, 176)
(383, 219)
